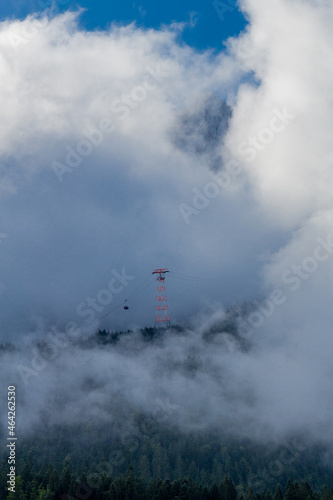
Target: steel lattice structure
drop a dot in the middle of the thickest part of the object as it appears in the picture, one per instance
(162, 317)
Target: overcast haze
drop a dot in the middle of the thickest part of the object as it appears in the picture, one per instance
(257, 117)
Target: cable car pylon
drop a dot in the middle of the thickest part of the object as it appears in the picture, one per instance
(162, 317)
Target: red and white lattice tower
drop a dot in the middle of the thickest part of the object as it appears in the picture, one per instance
(162, 317)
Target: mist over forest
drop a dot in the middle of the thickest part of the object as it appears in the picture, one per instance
(124, 149)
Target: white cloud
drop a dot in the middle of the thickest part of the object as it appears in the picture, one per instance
(290, 55)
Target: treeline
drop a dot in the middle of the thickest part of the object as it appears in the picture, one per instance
(161, 463)
(104, 337)
(101, 337)
(47, 484)
(158, 449)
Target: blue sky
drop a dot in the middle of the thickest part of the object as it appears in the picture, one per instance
(213, 23)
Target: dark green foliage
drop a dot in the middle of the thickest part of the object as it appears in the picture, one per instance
(40, 481)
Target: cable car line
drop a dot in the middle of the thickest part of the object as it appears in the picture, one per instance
(143, 286)
(185, 276)
(136, 292)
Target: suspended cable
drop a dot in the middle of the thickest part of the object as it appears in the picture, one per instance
(185, 276)
(110, 312)
(134, 297)
(139, 287)
(136, 292)
(143, 286)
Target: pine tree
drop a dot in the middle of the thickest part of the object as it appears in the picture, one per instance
(144, 469)
(65, 481)
(278, 493)
(228, 490)
(291, 491)
(19, 491)
(305, 491)
(193, 471)
(327, 494)
(179, 467)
